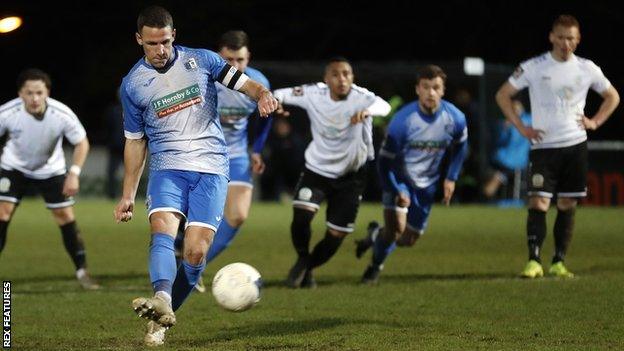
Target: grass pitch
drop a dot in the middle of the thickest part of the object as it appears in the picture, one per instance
(456, 289)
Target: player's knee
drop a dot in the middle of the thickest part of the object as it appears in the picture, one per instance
(337, 233)
(539, 203)
(566, 203)
(236, 219)
(302, 217)
(194, 255)
(63, 215)
(6, 212)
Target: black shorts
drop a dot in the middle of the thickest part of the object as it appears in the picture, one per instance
(343, 196)
(561, 171)
(13, 185)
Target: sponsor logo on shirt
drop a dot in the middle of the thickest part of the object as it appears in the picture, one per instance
(429, 145)
(177, 101)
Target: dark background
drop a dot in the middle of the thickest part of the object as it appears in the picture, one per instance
(87, 47)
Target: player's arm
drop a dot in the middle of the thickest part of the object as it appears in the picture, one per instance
(504, 100)
(611, 99)
(135, 152)
(458, 155)
(290, 96)
(379, 107)
(263, 127)
(266, 102)
(72, 181)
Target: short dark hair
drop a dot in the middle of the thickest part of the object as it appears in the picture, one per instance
(33, 74)
(566, 21)
(430, 72)
(155, 17)
(338, 59)
(234, 40)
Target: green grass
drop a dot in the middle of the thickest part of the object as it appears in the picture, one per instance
(455, 290)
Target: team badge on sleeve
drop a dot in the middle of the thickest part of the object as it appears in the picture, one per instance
(297, 91)
(518, 72)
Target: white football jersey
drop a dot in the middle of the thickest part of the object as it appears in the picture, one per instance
(337, 147)
(34, 147)
(558, 91)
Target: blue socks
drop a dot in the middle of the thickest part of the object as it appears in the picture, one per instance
(222, 240)
(162, 264)
(185, 281)
(381, 250)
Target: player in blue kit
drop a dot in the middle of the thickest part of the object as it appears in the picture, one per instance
(169, 98)
(235, 109)
(419, 136)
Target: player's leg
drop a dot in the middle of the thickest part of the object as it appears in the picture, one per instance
(167, 201)
(236, 206)
(309, 193)
(205, 213)
(343, 202)
(384, 243)
(62, 211)
(571, 186)
(12, 185)
(541, 187)
(6, 212)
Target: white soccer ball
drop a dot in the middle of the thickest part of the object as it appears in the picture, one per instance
(236, 287)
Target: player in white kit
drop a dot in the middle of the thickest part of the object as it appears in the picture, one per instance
(33, 158)
(342, 142)
(558, 82)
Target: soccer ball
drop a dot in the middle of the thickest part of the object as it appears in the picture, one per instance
(236, 287)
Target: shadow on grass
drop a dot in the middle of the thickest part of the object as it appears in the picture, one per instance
(282, 328)
(54, 284)
(399, 278)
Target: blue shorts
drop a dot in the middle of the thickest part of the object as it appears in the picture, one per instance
(418, 211)
(240, 171)
(200, 197)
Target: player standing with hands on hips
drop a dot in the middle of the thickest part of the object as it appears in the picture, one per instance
(558, 83)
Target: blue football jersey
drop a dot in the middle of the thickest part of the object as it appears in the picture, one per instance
(176, 110)
(417, 142)
(234, 109)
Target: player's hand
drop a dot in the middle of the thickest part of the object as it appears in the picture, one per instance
(280, 112)
(449, 189)
(71, 185)
(402, 200)
(123, 210)
(532, 134)
(267, 103)
(257, 163)
(359, 116)
(587, 123)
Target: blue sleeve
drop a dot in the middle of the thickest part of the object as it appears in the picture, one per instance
(459, 148)
(263, 127)
(390, 153)
(215, 65)
(134, 126)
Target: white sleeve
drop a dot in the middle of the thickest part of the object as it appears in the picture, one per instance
(291, 96)
(520, 77)
(379, 107)
(73, 130)
(599, 83)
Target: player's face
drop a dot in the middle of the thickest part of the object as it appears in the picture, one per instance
(339, 77)
(564, 41)
(239, 59)
(34, 94)
(157, 44)
(430, 93)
